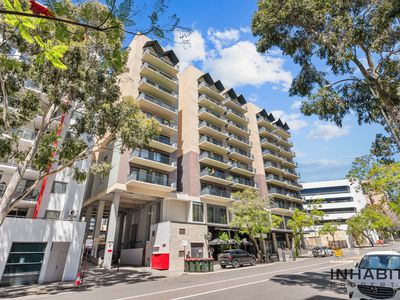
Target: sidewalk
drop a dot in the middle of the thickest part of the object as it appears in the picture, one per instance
(93, 278)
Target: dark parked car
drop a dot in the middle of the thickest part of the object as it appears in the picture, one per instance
(236, 258)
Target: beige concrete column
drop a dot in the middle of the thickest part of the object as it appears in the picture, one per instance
(274, 242)
(287, 240)
(96, 234)
(88, 217)
(111, 230)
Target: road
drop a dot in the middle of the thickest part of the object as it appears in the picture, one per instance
(308, 279)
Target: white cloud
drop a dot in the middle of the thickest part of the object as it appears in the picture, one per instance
(246, 29)
(323, 163)
(293, 120)
(296, 105)
(241, 64)
(189, 48)
(252, 97)
(327, 131)
(223, 38)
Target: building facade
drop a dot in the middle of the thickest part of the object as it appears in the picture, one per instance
(339, 200)
(165, 201)
(48, 247)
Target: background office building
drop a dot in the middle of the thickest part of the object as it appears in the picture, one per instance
(340, 200)
(165, 201)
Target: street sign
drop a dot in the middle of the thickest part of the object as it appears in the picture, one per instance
(338, 252)
(110, 246)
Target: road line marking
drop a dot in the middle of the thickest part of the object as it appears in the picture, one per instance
(239, 285)
(216, 282)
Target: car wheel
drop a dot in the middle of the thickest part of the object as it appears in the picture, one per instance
(235, 264)
(253, 262)
(223, 267)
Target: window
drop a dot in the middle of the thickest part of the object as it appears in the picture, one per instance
(182, 253)
(24, 263)
(196, 250)
(216, 214)
(198, 212)
(326, 190)
(52, 214)
(334, 200)
(59, 187)
(182, 231)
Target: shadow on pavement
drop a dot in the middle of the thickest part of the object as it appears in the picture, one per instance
(93, 279)
(323, 298)
(319, 281)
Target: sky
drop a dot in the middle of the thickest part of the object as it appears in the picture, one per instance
(221, 43)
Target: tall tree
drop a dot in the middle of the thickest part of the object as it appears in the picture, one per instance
(315, 214)
(358, 40)
(252, 217)
(329, 228)
(298, 223)
(85, 87)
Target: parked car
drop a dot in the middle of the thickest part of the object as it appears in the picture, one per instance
(236, 258)
(322, 252)
(375, 277)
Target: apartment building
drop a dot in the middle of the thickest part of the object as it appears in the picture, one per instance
(339, 200)
(165, 201)
(48, 247)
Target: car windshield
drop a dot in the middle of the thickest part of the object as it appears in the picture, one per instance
(380, 262)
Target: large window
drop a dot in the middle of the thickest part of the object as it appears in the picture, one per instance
(23, 264)
(59, 187)
(198, 213)
(333, 200)
(216, 214)
(51, 214)
(326, 190)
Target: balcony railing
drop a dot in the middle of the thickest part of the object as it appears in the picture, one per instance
(242, 116)
(32, 196)
(159, 57)
(204, 109)
(206, 154)
(165, 122)
(215, 192)
(25, 134)
(204, 96)
(205, 84)
(241, 152)
(155, 69)
(204, 123)
(238, 126)
(158, 102)
(273, 177)
(13, 163)
(165, 140)
(215, 173)
(243, 181)
(243, 140)
(205, 138)
(151, 178)
(271, 164)
(157, 86)
(154, 156)
(236, 164)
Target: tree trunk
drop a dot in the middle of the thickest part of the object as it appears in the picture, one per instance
(369, 239)
(7, 199)
(257, 248)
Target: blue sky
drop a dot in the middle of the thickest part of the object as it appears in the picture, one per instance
(222, 44)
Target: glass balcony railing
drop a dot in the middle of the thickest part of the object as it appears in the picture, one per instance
(204, 96)
(271, 164)
(155, 69)
(243, 181)
(204, 123)
(206, 154)
(211, 87)
(273, 177)
(241, 152)
(236, 164)
(157, 86)
(243, 140)
(165, 140)
(215, 173)
(240, 115)
(25, 134)
(231, 123)
(215, 192)
(32, 196)
(154, 156)
(151, 178)
(158, 102)
(210, 140)
(159, 57)
(165, 122)
(203, 109)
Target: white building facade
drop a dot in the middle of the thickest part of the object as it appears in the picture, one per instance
(339, 200)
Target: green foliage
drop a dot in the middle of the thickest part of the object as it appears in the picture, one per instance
(297, 223)
(329, 228)
(342, 35)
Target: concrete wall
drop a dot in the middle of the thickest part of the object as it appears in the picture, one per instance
(29, 230)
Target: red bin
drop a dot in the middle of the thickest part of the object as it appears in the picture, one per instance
(160, 261)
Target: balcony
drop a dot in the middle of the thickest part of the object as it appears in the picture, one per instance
(264, 122)
(216, 176)
(270, 144)
(243, 183)
(10, 165)
(271, 155)
(274, 179)
(159, 62)
(235, 104)
(237, 129)
(150, 87)
(282, 208)
(272, 167)
(212, 130)
(285, 142)
(152, 104)
(267, 132)
(25, 134)
(211, 103)
(239, 141)
(209, 143)
(291, 173)
(168, 127)
(155, 182)
(293, 185)
(215, 195)
(287, 152)
(164, 144)
(210, 90)
(236, 116)
(242, 169)
(288, 162)
(153, 160)
(30, 198)
(285, 194)
(282, 132)
(239, 154)
(211, 116)
(150, 71)
(213, 159)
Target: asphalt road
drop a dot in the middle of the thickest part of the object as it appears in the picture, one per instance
(308, 279)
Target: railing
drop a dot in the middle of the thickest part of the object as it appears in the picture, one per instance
(206, 154)
(165, 140)
(285, 193)
(165, 122)
(26, 134)
(159, 57)
(242, 180)
(12, 162)
(155, 69)
(215, 173)
(151, 178)
(235, 101)
(158, 102)
(238, 126)
(236, 164)
(204, 109)
(204, 96)
(241, 152)
(291, 182)
(157, 86)
(243, 140)
(204, 123)
(261, 118)
(266, 151)
(32, 196)
(154, 156)
(215, 192)
(242, 116)
(273, 177)
(205, 138)
(205, 84)
(271, 164)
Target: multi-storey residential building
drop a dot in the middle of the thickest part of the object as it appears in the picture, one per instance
(167, 200)
(339, 200)
(47, 247)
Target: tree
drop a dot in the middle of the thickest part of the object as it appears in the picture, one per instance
(315, 214)
(298, 223)
(251, 216)
(358, 40)
(369, 219)
(87, 89)
(329, 228)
